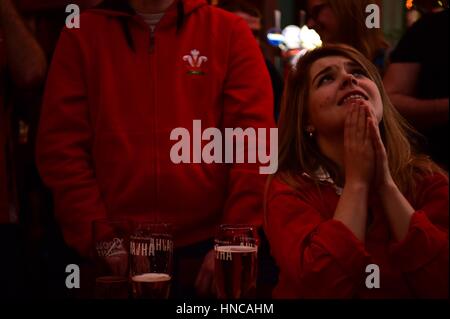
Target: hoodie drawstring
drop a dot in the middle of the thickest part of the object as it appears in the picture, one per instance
(127, 33)
(180, 15)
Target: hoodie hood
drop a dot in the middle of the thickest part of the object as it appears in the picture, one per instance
(123, 7)
(175, 14)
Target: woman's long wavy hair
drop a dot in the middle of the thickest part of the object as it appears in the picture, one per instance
(299, 153)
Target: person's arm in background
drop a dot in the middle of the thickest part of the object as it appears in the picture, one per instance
(25, 58)
(400, 81)
(64, 143)
(402, 76)
(247, 102)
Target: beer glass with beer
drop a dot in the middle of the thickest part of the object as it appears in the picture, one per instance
(236, 248)
(111, 243)
(151, 252)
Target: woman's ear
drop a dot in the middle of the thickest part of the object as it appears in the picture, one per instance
(310, 129)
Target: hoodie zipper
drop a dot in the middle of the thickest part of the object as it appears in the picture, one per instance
(153, 72)
(151, 48)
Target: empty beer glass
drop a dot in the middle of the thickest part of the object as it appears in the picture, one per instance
(151, 259)
(236, 248)
(111, 245)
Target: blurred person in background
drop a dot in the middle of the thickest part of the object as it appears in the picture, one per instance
(23, 66)
(30, 32)
(419, 8)
(429, 6)
(344, 21)
(417, 81)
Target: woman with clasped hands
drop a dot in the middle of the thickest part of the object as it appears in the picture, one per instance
(353, 211)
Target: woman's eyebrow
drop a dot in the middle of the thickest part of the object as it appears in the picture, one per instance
(352, 64)
(325, 70)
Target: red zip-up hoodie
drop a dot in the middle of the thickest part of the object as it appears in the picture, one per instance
(319, 257)
(115, 92)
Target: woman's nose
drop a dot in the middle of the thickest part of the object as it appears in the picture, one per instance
(349, 79)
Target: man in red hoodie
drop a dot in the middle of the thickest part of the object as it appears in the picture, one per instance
(134, 71)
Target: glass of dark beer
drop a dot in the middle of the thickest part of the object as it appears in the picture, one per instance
(151, 260)
(111, 245)
(236, 250)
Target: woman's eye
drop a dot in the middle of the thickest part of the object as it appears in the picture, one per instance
(359, 73)
(325, 79)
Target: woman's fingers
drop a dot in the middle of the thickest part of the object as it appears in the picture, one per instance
(366, 123)
(368, 116)
(364, 115)
(383, 174)
(376, 139)
(372, 114)
(357, 128)
(347, 127)
(360, 124)
(205, 283)
(359, 164)
(376, 134)
(368, 136)
(350, 126)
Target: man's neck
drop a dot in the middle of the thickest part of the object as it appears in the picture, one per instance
(151, 6)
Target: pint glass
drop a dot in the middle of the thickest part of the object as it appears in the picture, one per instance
(111, 242)
(236, 248)
(151, 252)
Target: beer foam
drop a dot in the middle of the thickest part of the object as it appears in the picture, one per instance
(151, 277)
(236, 249)
(111, 279)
